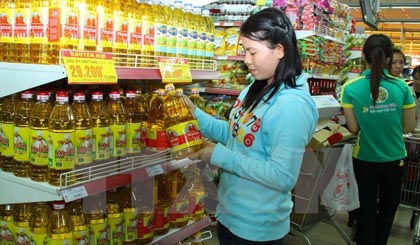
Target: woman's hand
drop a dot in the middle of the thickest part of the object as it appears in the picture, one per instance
(205, 153)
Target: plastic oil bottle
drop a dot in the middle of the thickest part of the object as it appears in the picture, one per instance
(182, 36)
(143, 191)
(114, 217)
(196, 193)
(197, 99)
(156, 133)
(121, 22)
(21, 30)
(182, 128)
(88, 24)
(143, 110)
(21, 217)
(178, 212)
(39, 222)
(61, 128)
(161, 30)
(192, 35)
(130, 213)
(162, 202)
(210, 35)
(131, 105)
(80, 230)
(118, 125)
(148, 30)
(7, 224)
(95, 208)
(106, 25)
(100, 128)
(38, 130)
(21, 136)
(83, 133)
(6, 132)
(60, 227)
(39, 28)
(201, 36)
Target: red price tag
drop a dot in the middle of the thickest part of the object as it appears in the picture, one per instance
(84, 67)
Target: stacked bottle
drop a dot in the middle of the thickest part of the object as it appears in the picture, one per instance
(114, 217)
(143, 110)
(156, 132)
(196, 99)
(7, 225)
(80, 230)
(39, 222)
(6, 133)
(60, 227)
(95, 208)
(130, 213)
(131, 105)
(162, 202)
(21, 218)
(143, 191)
(117, 125)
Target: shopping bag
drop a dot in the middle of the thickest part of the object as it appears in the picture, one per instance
(341, 192)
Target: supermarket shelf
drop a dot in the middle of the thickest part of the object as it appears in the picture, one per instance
(234, 92)
(304, 34)
(125, 73)
(232, 58)
(90, 180)
(176, 235)
(228, 23)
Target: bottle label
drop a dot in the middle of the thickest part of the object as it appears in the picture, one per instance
(171, 41)
(182, 45)
(118, 142)
(98, 234)
(133, 137)
(89, 28)
(81, 236)
(145, 225)
(161, 31)
(21, 144)
(39, 25)
(156, 139)
(6, 25)
(70, 30)
(179, 210)
(106, 33)
(22, 235)
(148, 29)
(39, 147)
(121, 31)
(83, 146)
(184, 135)
(130, 224)
(101, 143)
(160, 218)
(61, 150)
(6, 235)
(136, 36)
(196, 204)
(6, 137)
(39, 238)
(60, 239)
(115, 228)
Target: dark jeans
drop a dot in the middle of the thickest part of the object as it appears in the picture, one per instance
(226, 237)
(379, 194)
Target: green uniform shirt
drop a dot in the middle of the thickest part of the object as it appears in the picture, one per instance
(380, 138)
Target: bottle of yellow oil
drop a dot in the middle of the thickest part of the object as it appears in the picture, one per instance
(162, 202)
(83, 132)
(143, 110)
(182, 32)
(161, 30)
(60, 226)
(182, 129)
(135, 39)
(118, 125)
(6, 132)
(148, 30)
(114, 217)
(131, 105)
(88, 25)
(7, 225)
(21, 217)
(172, 30)
(100, 128)
(210, 36)
(39, 32)
(130, 214)
(178, 212)
(95, 208)
(106, 32)
(192, 35)
(21, 135)
(38, 130)
(197, 99)
(201, 36)
(22, 25)
(121, 22)
(78, 219)
(61, 128)
(39, 222)
(196, 193)
(7, 46)
(156, 133)
(143, 191)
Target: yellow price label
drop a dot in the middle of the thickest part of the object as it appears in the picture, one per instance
(85, 67)
(174, 70)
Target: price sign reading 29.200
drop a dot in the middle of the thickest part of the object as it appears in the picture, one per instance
(85, 67)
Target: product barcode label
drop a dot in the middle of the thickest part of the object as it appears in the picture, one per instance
(74, 193)
(154, 170)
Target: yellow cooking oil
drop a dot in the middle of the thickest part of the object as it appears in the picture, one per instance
(182, 31)
(118, 125)
(114, 217)
(192, 35)
(135, 40)
(21, 135)
(182, 129)
(162, 202)
(39, 222)
(131, 105)
(61, 130)
(83, 130)
(156, 132)
(21, 217)
(100, 128)
(210, 36)
(196, 99)
(130, 212)
(22, 23)
(121, 22)
(88, 25)
(196, 193)
(143, 192)
(148, 30)
(6, 132)
(106, 30)
(95, 208)
(78, 219)
(172, 30)
(201, 37)
(7, 224)
(142, 107)
(161, 30)
(60, 226)
(39, 32)
(178, 211)
(7, 39)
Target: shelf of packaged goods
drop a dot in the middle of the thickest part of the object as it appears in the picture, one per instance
(134, 73)
(307, 33)
(234, 92)
(83, 182)
(228, 23)
(232, 58)
(179, 234)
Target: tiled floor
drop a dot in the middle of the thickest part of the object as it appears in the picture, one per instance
(324, 234)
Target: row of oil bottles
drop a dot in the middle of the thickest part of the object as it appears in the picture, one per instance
(40, 141)
(131, 214)
(36, 31)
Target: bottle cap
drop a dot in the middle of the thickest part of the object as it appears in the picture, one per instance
(97, 95)
(59, 204)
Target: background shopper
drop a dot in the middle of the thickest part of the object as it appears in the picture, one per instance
(396, 67)
(260, 148)
(379, 108)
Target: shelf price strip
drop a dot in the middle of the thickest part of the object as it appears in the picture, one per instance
(84, 67)
(74, 193)
(154, 170)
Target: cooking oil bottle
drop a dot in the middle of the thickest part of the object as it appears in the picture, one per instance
(100, 128)
(114, 217)
(21, 136)
(182, 35)
(60, 227)
(95, 208)
(156, 133)
(118, 125)
(39, 35)
(88, 25)
(201, 36)
(130, 213)
(21, 217)
(80, 230)
(192, 35)
(196, 193)
(22, 26)
(182, 128)
(161, 30)
(172, 30)
(6, 132)
(135, 39)
(121, 22)
(38, 131)
(83, 132)
(131, 105)
(178, 212)
(7, 224)
(210, 35)
(143, 110)
(106, 25)
(61, 128)
(197, 99)
(7, 39)
(143, 191)
(39, 222)
(162, 202)
(148, 30)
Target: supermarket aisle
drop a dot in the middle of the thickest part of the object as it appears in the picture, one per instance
(325, 234)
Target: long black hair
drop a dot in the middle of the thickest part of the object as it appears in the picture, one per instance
(378, 51)
(272, 26)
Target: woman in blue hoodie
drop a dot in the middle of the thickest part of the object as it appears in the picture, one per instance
(260, 147)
